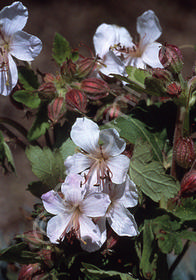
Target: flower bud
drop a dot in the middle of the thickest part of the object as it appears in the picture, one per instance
(171, 58)
(76, 100)
(86, 66)
(49, 78)
(30, 272)
(188, 184)
(47, 90)
(184, 152)
(95, 88)
(162, 74)
(174, 89)
(111, 112)
(56, 109)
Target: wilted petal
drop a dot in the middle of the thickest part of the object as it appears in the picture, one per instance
(151, 55)
(25, 46)
(85, 134)
(77, 163)
(122, 221)
(118, 166)
(52, 202)
(95, 205)
(56, 227)
(130, 195)
(13, 18)
(148, 27)
(112, 143)
(108, 35)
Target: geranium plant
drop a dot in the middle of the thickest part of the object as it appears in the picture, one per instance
(116, 172)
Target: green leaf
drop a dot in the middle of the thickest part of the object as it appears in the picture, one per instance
(47, 165)
(186, 211)
(149, 175)
(61, 49)
(148, 263)
(155, 87)
(6, 155)
(68, 148)
(40, 124)
(93, 272)
(19, 253)
(28, 98)
(132, 129)
(38, 188)
(27, 78)
(137, 75)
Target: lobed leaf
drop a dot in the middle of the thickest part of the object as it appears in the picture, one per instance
(28, 98)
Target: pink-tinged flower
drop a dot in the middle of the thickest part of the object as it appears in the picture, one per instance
(115, 46)
(74, 213)
(122, 196)
(100, 155)
(14, 42)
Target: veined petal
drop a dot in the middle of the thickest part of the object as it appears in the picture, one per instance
(113, 64)
(8, 77)
(56, 227)
(71, 181)
(85, 134)
(130, 195)
(52, 202)
(112, 143)
(13, 18)
(122, 221)
(77, 163)
(108, 35)
(148, 27)
(151, 55)
(95, 205)
(25, 46)
(118, 166)
(115, 191)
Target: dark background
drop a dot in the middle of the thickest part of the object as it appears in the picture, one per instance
(77, 22)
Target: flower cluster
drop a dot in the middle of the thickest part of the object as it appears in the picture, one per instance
(97, 188)
(118, 50)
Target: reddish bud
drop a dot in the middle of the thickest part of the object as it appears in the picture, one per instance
(30, 272)
(184, 152)
(174, 89)
(49, 78)
(86, 66)
(162, 74)
(95, 88)
(111, 112)
(76, 100)
(56, 109)
(188, 184)
(171, 58)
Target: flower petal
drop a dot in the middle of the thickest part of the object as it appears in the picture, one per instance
(77, 163)
(108, 35)
(52, 202)
(113, 145)
(56, 227)
(25, 46)
(112, 64)
(122, 221)
(151, 55)
(148, 27)
(90, 234)
(13, 18)
(118, 166)
(71, 181)
(95, 205)
(130, 196)
(85, 134)
(8, 77)
(136, 62)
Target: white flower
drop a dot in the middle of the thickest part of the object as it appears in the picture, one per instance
(14, 42)
(115, 46)
(100, 155)
(74, 213)
(119, 218)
